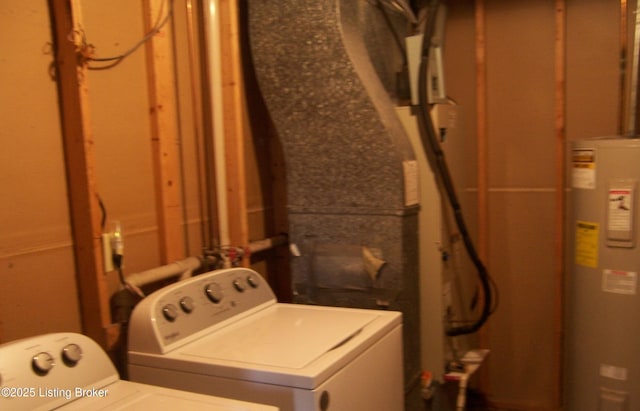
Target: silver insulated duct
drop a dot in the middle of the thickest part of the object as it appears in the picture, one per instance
(351, 172)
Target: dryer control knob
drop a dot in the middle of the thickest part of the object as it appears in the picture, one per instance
(253, 281)
(170, 312)
(186, 303)
(42, 363)
(213, 292)
(239, 285)
(71, 354)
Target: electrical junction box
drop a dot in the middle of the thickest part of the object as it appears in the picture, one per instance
(445, 119)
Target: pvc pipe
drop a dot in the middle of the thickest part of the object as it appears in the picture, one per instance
(184, 268)
(267, 243)
(179, 268)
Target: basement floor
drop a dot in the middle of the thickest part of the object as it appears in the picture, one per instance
(475, 401)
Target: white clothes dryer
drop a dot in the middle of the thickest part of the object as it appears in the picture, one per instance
(69, 371)
(223, 333)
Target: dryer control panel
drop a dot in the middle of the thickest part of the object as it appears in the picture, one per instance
(51, 370)
(176, 314)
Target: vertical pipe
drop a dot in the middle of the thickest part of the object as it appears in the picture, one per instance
(560, 137)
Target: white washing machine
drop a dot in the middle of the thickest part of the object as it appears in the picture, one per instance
(69, 371)
(223, 333)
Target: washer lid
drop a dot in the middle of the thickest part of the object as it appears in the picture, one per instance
(132, 396)
(282, 335)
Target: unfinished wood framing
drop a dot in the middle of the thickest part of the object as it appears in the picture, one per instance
(624, 60)
(482, 141)
(234, 123)
(79, 153)
(559, 260)
(164, 133)
(481, 110)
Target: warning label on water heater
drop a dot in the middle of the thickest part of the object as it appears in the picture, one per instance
(587, 243)
(619, 282)
(620, 209)
(583, 163)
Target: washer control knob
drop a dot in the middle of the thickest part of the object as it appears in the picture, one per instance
(186, 303)
(253, 281)
(213, 292)
(239, 285)
(71, 354)
(170, 312)
(42, 363)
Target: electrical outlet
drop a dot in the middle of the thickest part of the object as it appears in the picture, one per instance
(107, 252)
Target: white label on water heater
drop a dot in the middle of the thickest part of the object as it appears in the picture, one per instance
(613, 372)
(583, 168)
(619, 282)
(620, 213)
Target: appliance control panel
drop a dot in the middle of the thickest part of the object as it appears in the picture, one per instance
(178, 313)
(51, 370)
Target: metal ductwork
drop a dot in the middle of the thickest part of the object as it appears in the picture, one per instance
(351, 172)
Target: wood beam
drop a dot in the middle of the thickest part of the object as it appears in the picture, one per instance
(624, 65)
(234, 123)
(481, 112)
(559, 260)
(164, 132)
(483, 161)
(71, 76)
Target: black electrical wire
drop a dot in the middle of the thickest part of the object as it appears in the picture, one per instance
(103, 211)
(115, 60)
(431, 145)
